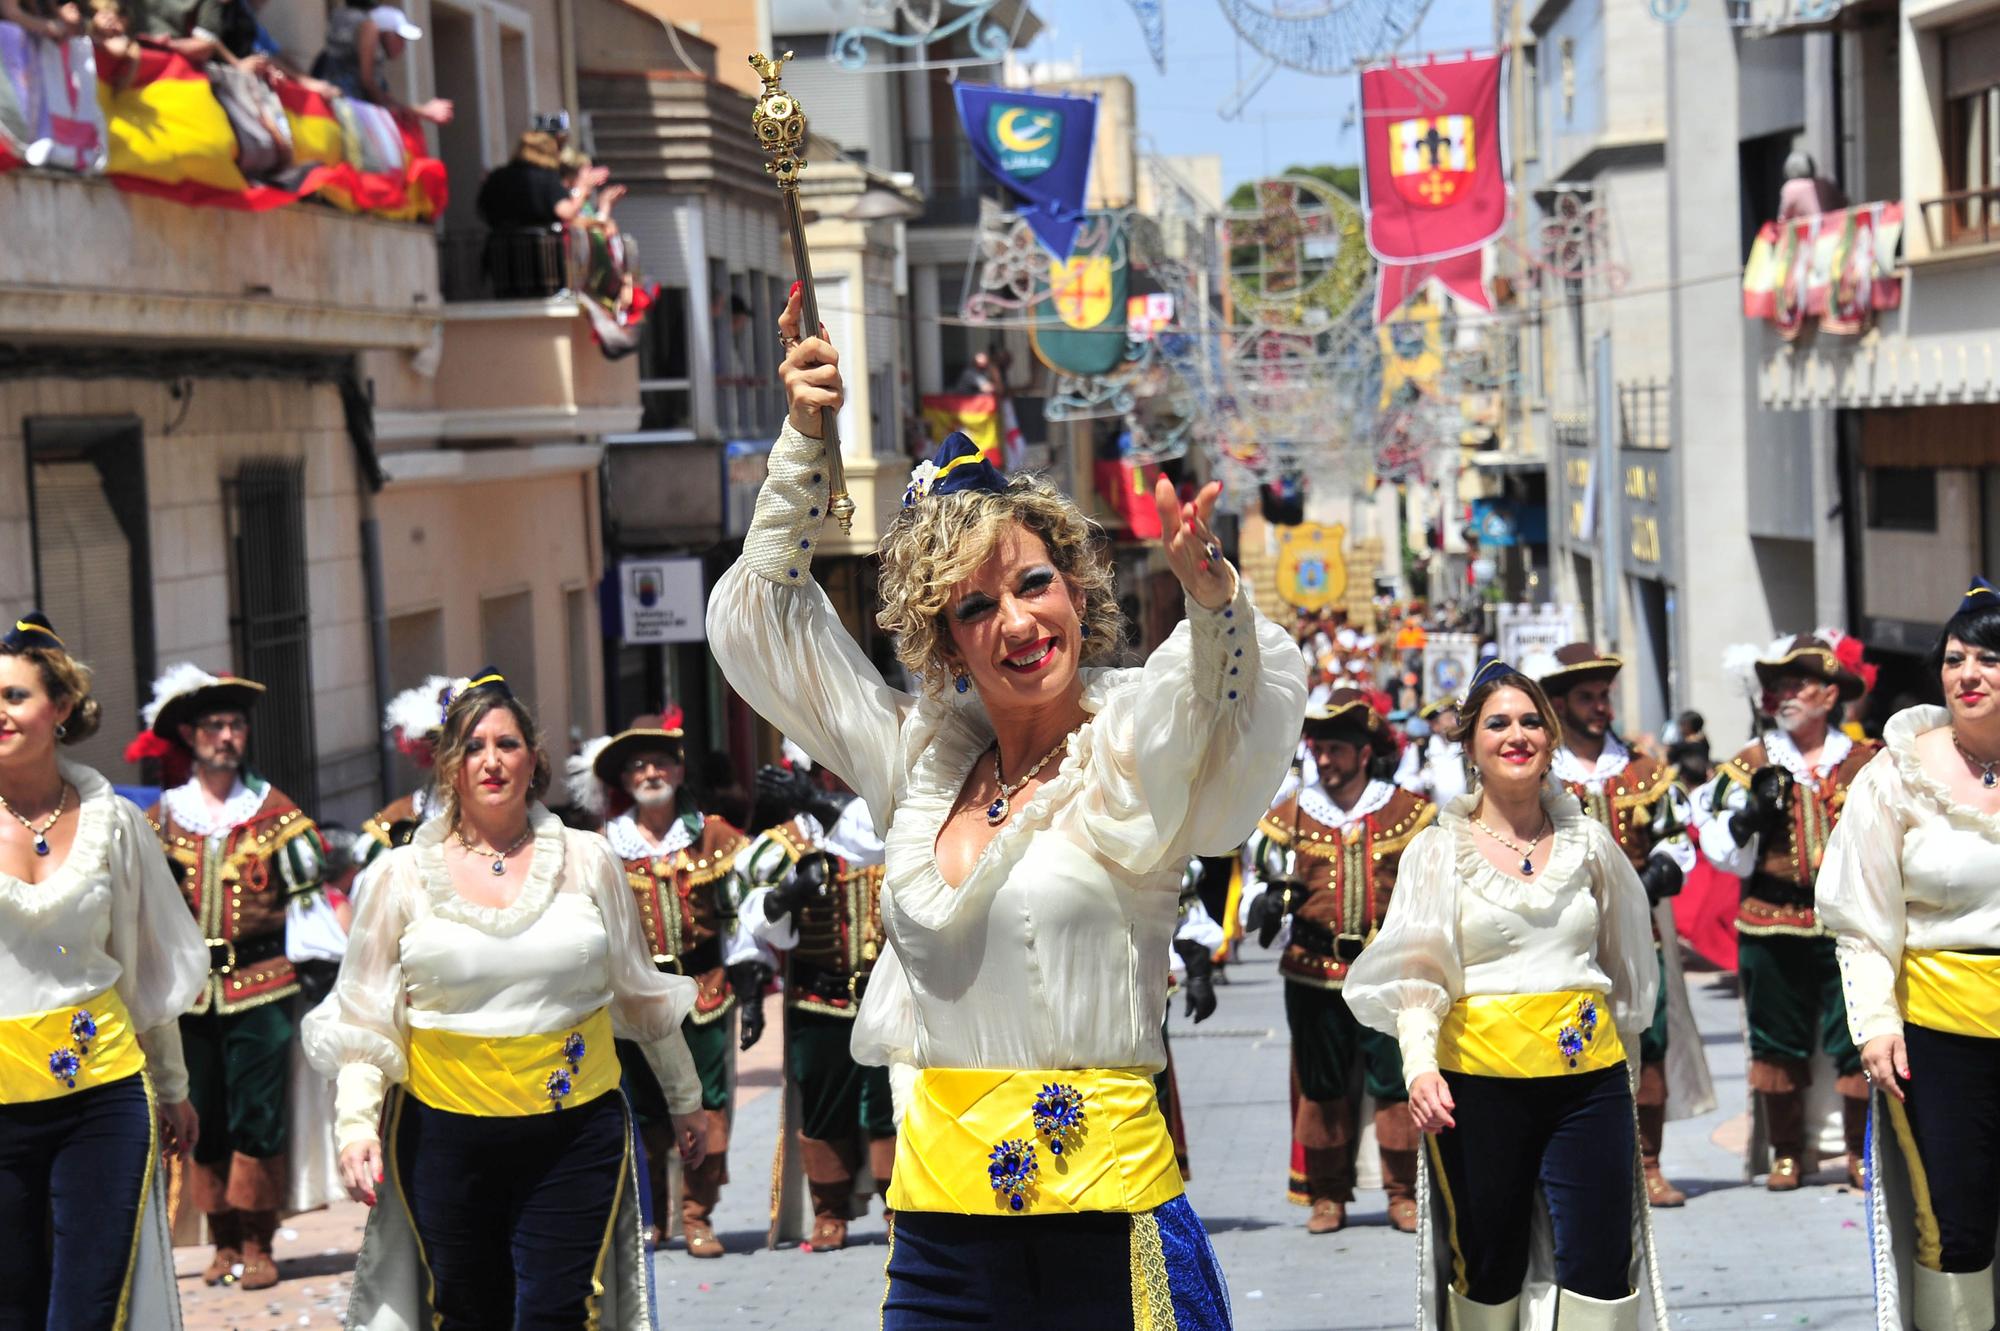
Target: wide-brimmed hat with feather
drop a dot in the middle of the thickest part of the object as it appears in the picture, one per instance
(184, 693)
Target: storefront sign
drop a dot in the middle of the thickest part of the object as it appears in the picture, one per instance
(662, 600)
(1532, 631)
(1645, 510)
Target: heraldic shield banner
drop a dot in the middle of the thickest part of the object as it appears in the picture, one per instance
(1037, 145)
(1434, 185)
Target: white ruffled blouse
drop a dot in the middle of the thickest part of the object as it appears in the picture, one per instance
(1458, 926)
(109, 917)
(1907, 867)
(422, 957)
(1049, 954)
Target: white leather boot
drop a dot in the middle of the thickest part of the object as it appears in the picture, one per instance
(1465, 1315)
(1580, 1312)
(1952, 1300)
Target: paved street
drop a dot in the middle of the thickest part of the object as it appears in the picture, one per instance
(1736, 1257)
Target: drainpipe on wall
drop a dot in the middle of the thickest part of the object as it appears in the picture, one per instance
(359, 410)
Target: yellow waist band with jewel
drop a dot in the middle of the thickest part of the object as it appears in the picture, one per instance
(513, 1076)
(1530, 1035)
(1955, 992)
(992, 1142)
(67, 1050)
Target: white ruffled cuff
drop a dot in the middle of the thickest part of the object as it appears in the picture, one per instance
(357, 1105)
(164, 1063)
(791, 509)
(1222, 657)
(1417, 1035)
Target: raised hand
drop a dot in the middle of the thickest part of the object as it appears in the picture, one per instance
(811, 372)
(1192, 550)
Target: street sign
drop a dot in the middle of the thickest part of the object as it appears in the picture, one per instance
(662, 600)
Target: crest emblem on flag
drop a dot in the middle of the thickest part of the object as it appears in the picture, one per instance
(1026, 139)
(1080, 289)
(1312, 565)
(1431, 159)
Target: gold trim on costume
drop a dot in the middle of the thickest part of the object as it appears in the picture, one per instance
(392, 1175)
(593, 1314)
(888, 1282)
(1152, 1290)
(1458, 1280)
(123, 1317)
(1930, 1244)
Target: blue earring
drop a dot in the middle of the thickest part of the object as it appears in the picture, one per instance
(1084, 629)
(961, 682)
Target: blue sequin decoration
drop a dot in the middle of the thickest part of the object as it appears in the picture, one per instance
(1571, 1039)
(1058, 1114)
(64, 1065)
(83, 1029)
(558, 1086)
(1012, 1171)
(572, 1050)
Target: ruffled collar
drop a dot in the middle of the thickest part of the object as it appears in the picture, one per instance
(89, 849)
(190, 810)
(1778, 747)
(1615, 758)
(1568, 852)
(544, 868)
(942, 742)
(1900, 736)
(1319, 806)
(630, 841)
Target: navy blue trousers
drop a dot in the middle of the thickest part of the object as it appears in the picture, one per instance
(1952, 1101)
(1573, 1136)
(72, 1173)
(511, 1212)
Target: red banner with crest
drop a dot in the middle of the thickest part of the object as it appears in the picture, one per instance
(1433, 182)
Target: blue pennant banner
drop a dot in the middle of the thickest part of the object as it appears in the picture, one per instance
(1037, 145)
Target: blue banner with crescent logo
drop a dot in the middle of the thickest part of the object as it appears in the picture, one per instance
(1037, 145)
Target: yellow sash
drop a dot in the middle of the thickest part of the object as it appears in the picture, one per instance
(68, 1050)
(1530, 1035)
(1956, 992)
(977, 1141)
(513, 1076)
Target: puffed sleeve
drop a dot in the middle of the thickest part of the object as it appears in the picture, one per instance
(1405, 982)
(359, 1035)
(1859, 897)
(1625, 949)
(885, 1029)
(781, 645)
(157, 945)
(1192, 746)
(1713, 805)
(647, 1004)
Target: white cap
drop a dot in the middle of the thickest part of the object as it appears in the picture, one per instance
(388, 18)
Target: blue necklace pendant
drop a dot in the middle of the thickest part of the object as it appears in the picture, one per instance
(1527, 867)
(42, 843)
(499, 867)
(996, 812)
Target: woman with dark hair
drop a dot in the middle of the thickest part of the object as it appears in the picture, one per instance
(98, 958)
(489, 966)
(1516, 956)
(1908, 888)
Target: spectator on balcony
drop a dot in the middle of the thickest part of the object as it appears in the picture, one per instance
(1805, 192)
(525, 204)
(359, 39)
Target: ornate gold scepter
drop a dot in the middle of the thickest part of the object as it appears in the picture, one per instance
(780, 126)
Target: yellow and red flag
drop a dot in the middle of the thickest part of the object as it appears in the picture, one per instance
(976, 414)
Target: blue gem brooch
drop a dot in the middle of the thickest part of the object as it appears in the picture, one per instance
(83, 1029)
(572, 1050)
(64, 1064)
(1012, 1171)
(1058, 1116)
(558, 1086)
(1572, 1038)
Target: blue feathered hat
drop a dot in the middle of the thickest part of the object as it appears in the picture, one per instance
(1981, 595)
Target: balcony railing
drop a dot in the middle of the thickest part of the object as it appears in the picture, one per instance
(1965, 217)
(951, 181)
(1645, 414)
(478, 264)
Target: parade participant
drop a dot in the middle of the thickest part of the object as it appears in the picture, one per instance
(1039, 816)
(819, 903)
(1326, 859)
(411, 720)
(1647, 812)
(490, 966)
(1436, 768)
(246, 856)
(1516, 956)
(1765, 817)
(681, 866)
(1907, 891)
(100, 959)
(1191, 973)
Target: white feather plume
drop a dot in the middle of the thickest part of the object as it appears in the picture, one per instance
(585, 790)
(414, 712)
(178, 678)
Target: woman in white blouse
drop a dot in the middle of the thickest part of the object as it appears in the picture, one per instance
(1910, 887)
(1517, 950)
(489, 966)
(99, 956)
(1038, 816)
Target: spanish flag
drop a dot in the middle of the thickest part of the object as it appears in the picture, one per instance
(975, 414)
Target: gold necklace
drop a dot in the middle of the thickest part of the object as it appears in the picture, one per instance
(1987, 777)
(1000, 809)
(501, 857)
(1525, 852)
(41, 834)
